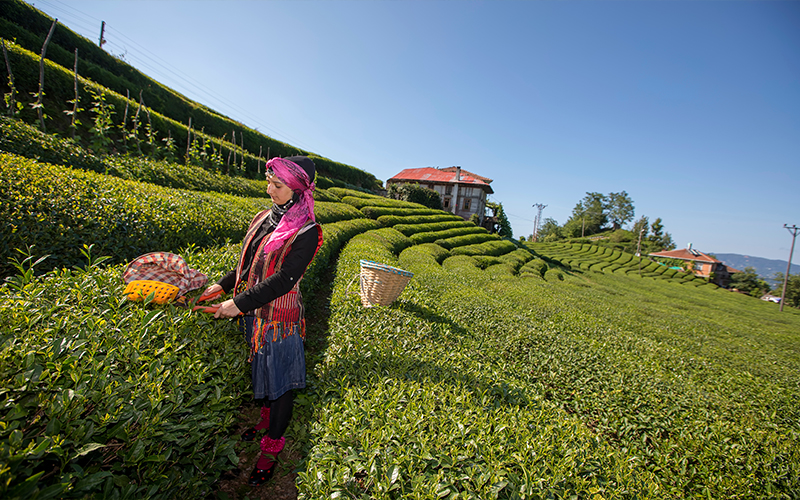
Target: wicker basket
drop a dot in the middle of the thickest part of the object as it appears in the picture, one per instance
(381, 284)
(140, 289)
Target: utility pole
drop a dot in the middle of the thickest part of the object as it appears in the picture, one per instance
(639, 250)
(537, 220)
(792, 230)
(102, 32)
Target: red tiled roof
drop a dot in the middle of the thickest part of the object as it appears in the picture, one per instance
(685, 254)
(467, 172)
(430, 174)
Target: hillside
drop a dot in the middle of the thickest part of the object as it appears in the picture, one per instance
(129, 111)
(766, 268)
(503, 370)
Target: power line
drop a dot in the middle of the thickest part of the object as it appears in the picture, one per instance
(156, 65)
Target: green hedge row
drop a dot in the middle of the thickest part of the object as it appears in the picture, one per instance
(374, 212)
(426, 227)
(342, 192)
(378, 202)
(469, 239)
(495, 248)
(334, 235)
(25, 140)
(413, 220)
(58, 210)
(517, 258)
(330, 211)
(434, 236)
(536, 267)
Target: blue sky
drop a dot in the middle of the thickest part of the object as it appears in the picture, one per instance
(693, 108)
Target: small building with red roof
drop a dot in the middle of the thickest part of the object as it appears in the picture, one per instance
(462, 192)
(701, 264)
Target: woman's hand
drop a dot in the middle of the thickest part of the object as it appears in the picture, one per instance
(227, 309)
(210, 291)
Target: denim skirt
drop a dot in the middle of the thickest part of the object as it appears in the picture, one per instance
(279, 365)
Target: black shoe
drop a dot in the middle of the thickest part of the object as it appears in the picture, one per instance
(250, 434)
(261, 476)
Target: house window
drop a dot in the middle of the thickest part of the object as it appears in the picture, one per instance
(698, 266)
(467, 203)
(446, 203)
(448, 190)
(430, 186)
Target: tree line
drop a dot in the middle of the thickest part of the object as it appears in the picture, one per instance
(602, 216)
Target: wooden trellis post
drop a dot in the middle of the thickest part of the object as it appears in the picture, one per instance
(39, 104)
(77, 97)
(125, 120)
(189, 139)
(12, 109)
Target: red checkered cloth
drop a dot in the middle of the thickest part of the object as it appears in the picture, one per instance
(167, 268)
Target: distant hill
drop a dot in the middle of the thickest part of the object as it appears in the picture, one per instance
(766, 268)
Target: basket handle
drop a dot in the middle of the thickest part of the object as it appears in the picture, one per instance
(352, 280)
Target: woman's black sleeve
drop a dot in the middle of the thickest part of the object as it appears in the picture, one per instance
(228, 281)
(294, 265)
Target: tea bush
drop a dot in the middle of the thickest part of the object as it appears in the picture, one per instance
(379, 201)
(494, 248)
(105, 397)
(411, 229)
(413, 220)
(330, 211)
(58, 209)
(465, 240)
(446, 234)
(374, 212)
(342, 192)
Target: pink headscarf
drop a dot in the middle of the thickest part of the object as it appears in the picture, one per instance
(297, 180)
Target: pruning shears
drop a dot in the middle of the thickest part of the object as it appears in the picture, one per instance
(205, 296)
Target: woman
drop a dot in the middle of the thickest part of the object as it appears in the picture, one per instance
(277, 249)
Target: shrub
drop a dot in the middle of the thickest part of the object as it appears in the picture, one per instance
(24, 140)
(412, 229)
(374, 212)
(495, 248)
(342, 192)
(327, 211)
(517, 258)
(423, 252)
(484, 261)
(59, 209)
(441, 216)
(415, 193)
(434, 236)
(553, 275)
(469, 239)
(321, 194)
(536, 266)
(378, 202)
(108, 398)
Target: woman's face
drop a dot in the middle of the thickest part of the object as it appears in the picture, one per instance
(278, 191)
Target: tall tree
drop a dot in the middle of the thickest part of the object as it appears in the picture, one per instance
(505, 226)
(619, 209)
(748, 281)
(659, 240)
(549, 230)
(588, 216)
(792, 288)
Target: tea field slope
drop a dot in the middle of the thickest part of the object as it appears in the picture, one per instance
(481, 384)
